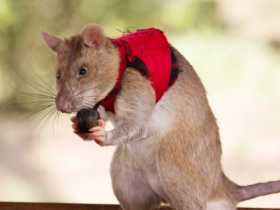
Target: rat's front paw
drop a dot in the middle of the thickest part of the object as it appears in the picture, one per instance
(99, 134)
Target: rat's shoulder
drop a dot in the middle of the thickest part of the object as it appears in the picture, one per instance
(134, 84)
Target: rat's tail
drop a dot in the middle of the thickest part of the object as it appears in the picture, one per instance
(255, 190)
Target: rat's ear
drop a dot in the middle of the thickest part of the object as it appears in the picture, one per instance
(51, 41)
(94, 36)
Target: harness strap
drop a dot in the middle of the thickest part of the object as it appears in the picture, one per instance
(148, 52)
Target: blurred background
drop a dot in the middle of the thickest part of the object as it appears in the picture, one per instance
(233, 45)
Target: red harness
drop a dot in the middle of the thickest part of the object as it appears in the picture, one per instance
(147, 51)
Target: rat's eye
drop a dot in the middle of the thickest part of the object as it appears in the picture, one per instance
(58, 76)
(82, 71)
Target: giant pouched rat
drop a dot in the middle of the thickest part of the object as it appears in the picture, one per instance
(168, 150)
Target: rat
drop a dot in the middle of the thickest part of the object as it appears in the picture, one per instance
(168, 148)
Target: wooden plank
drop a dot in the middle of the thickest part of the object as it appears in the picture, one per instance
(69, 206)
(256, 209)
(55, 206)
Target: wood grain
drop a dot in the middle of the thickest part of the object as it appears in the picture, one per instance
(69, 206)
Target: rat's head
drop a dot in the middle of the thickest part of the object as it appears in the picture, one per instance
(86, 68)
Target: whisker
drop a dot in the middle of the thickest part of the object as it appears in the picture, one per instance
(50, 70)
(26, 103)
(50, 92)
(25, 80)
(30, 94)
(54, 121)
(9, 103)
(38, 122)
(51, 89)
(27, 117)
(47, 120)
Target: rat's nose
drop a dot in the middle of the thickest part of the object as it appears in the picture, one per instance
(66, 107)
(63, 105)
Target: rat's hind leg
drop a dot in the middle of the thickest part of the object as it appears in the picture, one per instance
(130, 185)
(186, 172)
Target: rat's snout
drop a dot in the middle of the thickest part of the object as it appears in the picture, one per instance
(63, 104)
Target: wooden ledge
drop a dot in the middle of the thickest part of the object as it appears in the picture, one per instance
(69, 206)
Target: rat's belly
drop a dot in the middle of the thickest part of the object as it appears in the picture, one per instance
(144, 153)
(145, 149)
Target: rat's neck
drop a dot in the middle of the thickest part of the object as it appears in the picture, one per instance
(108, 101)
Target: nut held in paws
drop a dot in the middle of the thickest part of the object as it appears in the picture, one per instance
(86, 119)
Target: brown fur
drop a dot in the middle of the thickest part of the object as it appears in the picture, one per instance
(168, 152)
